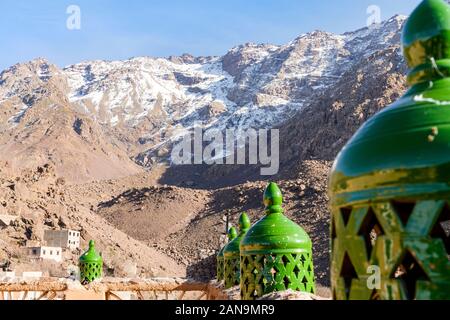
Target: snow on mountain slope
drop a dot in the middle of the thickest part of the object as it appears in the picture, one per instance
(125, 92)
(144, 104)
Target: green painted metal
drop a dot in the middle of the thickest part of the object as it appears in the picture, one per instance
(426, 42)
(389, 187)
(90, 264)
(232, 234)
(276, 253)
(231, 254)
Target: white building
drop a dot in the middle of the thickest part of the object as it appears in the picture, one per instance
(62, 238)
(46, 253)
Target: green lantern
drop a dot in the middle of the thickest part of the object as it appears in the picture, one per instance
(91, 265)
(389, 188)
(231, 254)
(232, 234)
(276, 253)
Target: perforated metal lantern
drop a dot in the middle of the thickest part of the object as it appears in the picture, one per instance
(276, 253)
(390, 185)
(232, 234)
(91, 265)
(231, 254)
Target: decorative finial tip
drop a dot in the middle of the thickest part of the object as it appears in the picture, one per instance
(91, 244)
(244, 222)
(426, 41)
(273, 199)
(232, 233)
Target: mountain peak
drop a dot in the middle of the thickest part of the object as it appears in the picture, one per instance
(398, 17)
(32, 65)
(251, 46)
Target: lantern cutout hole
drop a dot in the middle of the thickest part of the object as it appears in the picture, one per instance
(348, 273)
(370, 229)
(409, 272)
(404, 210)
(441, 229)
(346, 213)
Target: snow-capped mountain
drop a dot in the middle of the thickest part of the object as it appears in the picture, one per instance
(143, 104)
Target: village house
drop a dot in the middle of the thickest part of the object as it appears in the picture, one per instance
(46, 253)
(66, 239)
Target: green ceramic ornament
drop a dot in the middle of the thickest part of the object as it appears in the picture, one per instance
(91, 265)
(276, 253)
(232, 255)
(389, 187)
(232, 234)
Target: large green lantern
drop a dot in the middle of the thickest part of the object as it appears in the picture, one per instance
(232, 234)
(276, 253)
(390, 185)
(91, 265)
(232, 255)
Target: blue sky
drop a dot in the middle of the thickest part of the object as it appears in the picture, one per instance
(113, 29)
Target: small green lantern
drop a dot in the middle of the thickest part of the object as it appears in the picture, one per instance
(232, 255)
(91, 265)
(232, 234)
(276, 253)
(390, 185)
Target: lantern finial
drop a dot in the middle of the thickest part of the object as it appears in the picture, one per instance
(244, 223)
(273, 199)
(426, 42)
(232, 233)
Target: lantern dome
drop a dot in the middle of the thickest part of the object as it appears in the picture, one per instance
(91, 256)
(389, 186)
(275, 233)
(244, 225)
(232, 234)
(276, 253)
(406, 144)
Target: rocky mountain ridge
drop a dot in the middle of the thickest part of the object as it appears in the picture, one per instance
(137, 108)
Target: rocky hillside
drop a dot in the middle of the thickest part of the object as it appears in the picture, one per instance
(42, 201)
(39, 125)
(334, 116)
